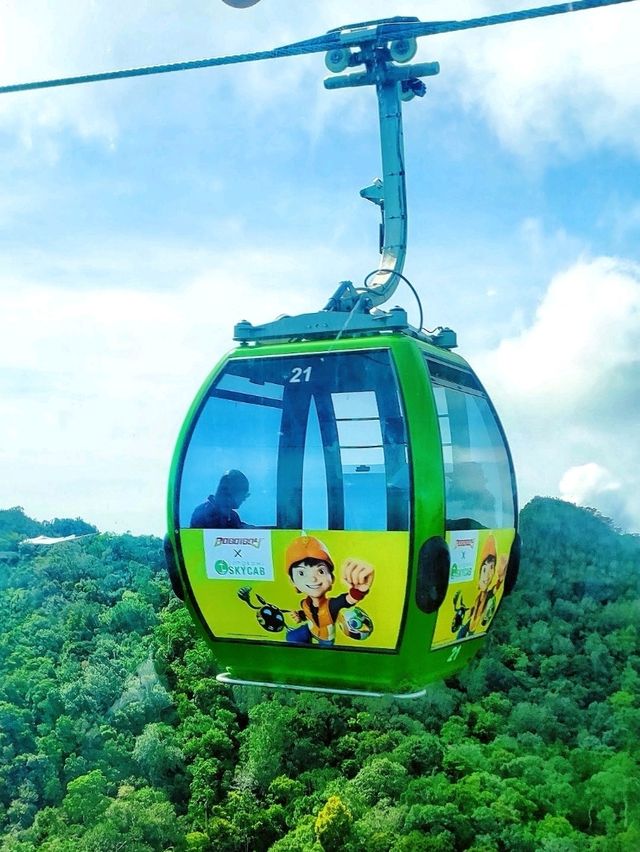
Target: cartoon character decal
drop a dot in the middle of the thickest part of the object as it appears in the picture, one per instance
(474, 595)
(268, 615)
(312, 573)
(311, 588)
(310, 569)
(460, 611)
(473, 619)
(355, 623)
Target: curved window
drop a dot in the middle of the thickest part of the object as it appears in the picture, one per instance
(479, 488)
(320, 438)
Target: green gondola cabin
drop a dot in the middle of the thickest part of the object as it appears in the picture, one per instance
(382, 452)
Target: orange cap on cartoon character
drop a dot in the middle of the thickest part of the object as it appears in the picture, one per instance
(305, 547)
(488, 558)
(489, 549)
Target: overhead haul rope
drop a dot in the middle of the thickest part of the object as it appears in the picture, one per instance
(375, 33)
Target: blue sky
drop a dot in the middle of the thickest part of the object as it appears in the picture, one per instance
(140, 219)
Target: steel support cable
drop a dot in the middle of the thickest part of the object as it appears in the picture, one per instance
(380, 33)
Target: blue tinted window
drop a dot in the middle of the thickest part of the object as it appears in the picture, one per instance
(315, 505)
(477, 469)
(230, 434)
(321, 439)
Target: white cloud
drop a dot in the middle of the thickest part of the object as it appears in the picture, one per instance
(568, 389)
(593, 485)
(563, 82)
(40, 40)
(95, 381)
(579, 483)
(585, 326)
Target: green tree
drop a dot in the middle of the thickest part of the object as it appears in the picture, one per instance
(135, 821)
(380, 778)
(157, 754)
(333, 824)
(86, 798)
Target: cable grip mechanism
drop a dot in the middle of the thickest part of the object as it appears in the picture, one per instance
(394, 83)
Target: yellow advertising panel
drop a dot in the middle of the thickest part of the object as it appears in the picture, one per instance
(476, 584)
(314, 587)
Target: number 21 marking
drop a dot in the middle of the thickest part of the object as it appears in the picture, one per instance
(454, 653)
(297, 372)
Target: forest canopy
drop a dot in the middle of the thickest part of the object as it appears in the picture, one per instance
(115, 735)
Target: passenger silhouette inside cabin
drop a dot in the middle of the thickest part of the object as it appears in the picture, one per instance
(219, 510)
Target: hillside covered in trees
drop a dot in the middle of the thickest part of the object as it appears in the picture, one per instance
(115, 735)
(15, 527)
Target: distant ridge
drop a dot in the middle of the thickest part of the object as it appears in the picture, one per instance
(15, 526)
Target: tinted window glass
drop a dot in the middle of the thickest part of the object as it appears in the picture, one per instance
(478, 481)
(237, 429)
(320, 438)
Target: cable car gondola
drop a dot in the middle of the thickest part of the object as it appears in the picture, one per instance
(342, 502)
(380, 451)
